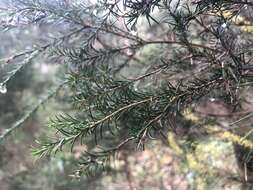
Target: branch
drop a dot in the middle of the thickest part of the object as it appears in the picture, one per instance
(20, 122)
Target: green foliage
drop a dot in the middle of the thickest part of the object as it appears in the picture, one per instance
(203, 54)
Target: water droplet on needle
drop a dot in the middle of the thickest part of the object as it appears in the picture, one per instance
(3, 89)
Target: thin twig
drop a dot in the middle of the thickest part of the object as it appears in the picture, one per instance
(20, 122)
